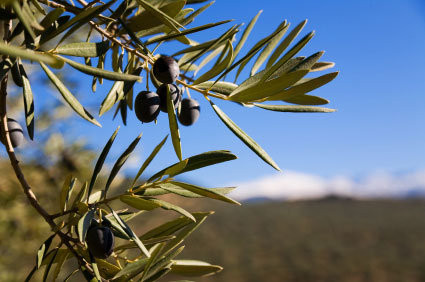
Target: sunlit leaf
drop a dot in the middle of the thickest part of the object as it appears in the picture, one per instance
(69, 98)
(306, 100)
(294, 109)
(221, 66)
(83, 49)
(101, 161)
(196, 162)
(84, 224)
(246, 33)
(288, 55)
(162, 16)
(120, 162)
(221, 87)
(66, 192)
(319, 66)
(15, 51)
(285, 43)
(44, 248)
(304, 87)
(283, 27)
(209, 193)
(266, 89)
(101, 72)
(244, 137)
(174, 128)
(149, 159)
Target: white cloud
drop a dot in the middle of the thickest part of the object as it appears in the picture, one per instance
(293, 185)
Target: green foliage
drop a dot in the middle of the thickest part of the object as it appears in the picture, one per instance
(51, 31)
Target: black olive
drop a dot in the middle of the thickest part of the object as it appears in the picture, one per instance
(166, 69)
(189, 111)
(100, 241)
(146, 106)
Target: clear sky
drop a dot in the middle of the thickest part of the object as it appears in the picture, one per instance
(378, 47)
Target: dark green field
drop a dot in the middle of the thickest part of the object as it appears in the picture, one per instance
(334, 240)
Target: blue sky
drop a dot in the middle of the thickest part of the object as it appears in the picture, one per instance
(378, 47)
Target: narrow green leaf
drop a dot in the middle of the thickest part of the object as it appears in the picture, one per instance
(217, 69)
(309, 62)
(132, 269)
(149, 160)
(83, 49)
(194, 268)
(262, 90)
(244, 137)
(114, 95)
(160, 15)
(66, 192)
(197, 161)
(174, 128)
(251, 53)
(167, 206)
(51, 17)
(101, 160)
(221, 87)
(157, 270)
(174, 225)
(120, 162)
(59, 264)
(209, 193)
(69, 98)
(174, 35)
(95, 268)
(285, 43)
(84, 16)
(139, 203)
(154, 256)
(101, 72)
(294, 50)
(269, 47)
(84, 224)
(44, 248)
(70, 275)
(130, 233)
(208, 58)
(147, 19)
(304, 87)
(23, 18)
(196, 13)
(28, 101)
(307, 100)
(294, 109)
(246, 33)
(320, 66)
(184, 233)
(214, 44)
(49, 266)
(15, 51)
(166, 188)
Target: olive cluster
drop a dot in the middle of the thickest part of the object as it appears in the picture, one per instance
(148, 104)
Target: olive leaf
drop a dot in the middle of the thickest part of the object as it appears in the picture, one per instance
(244, 137)
(67, 95)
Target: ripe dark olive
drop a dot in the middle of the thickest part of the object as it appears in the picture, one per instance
(146, 106)
(15, 132)
(189, 111)
(166, 69)
(175, 96)
(100, 241)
